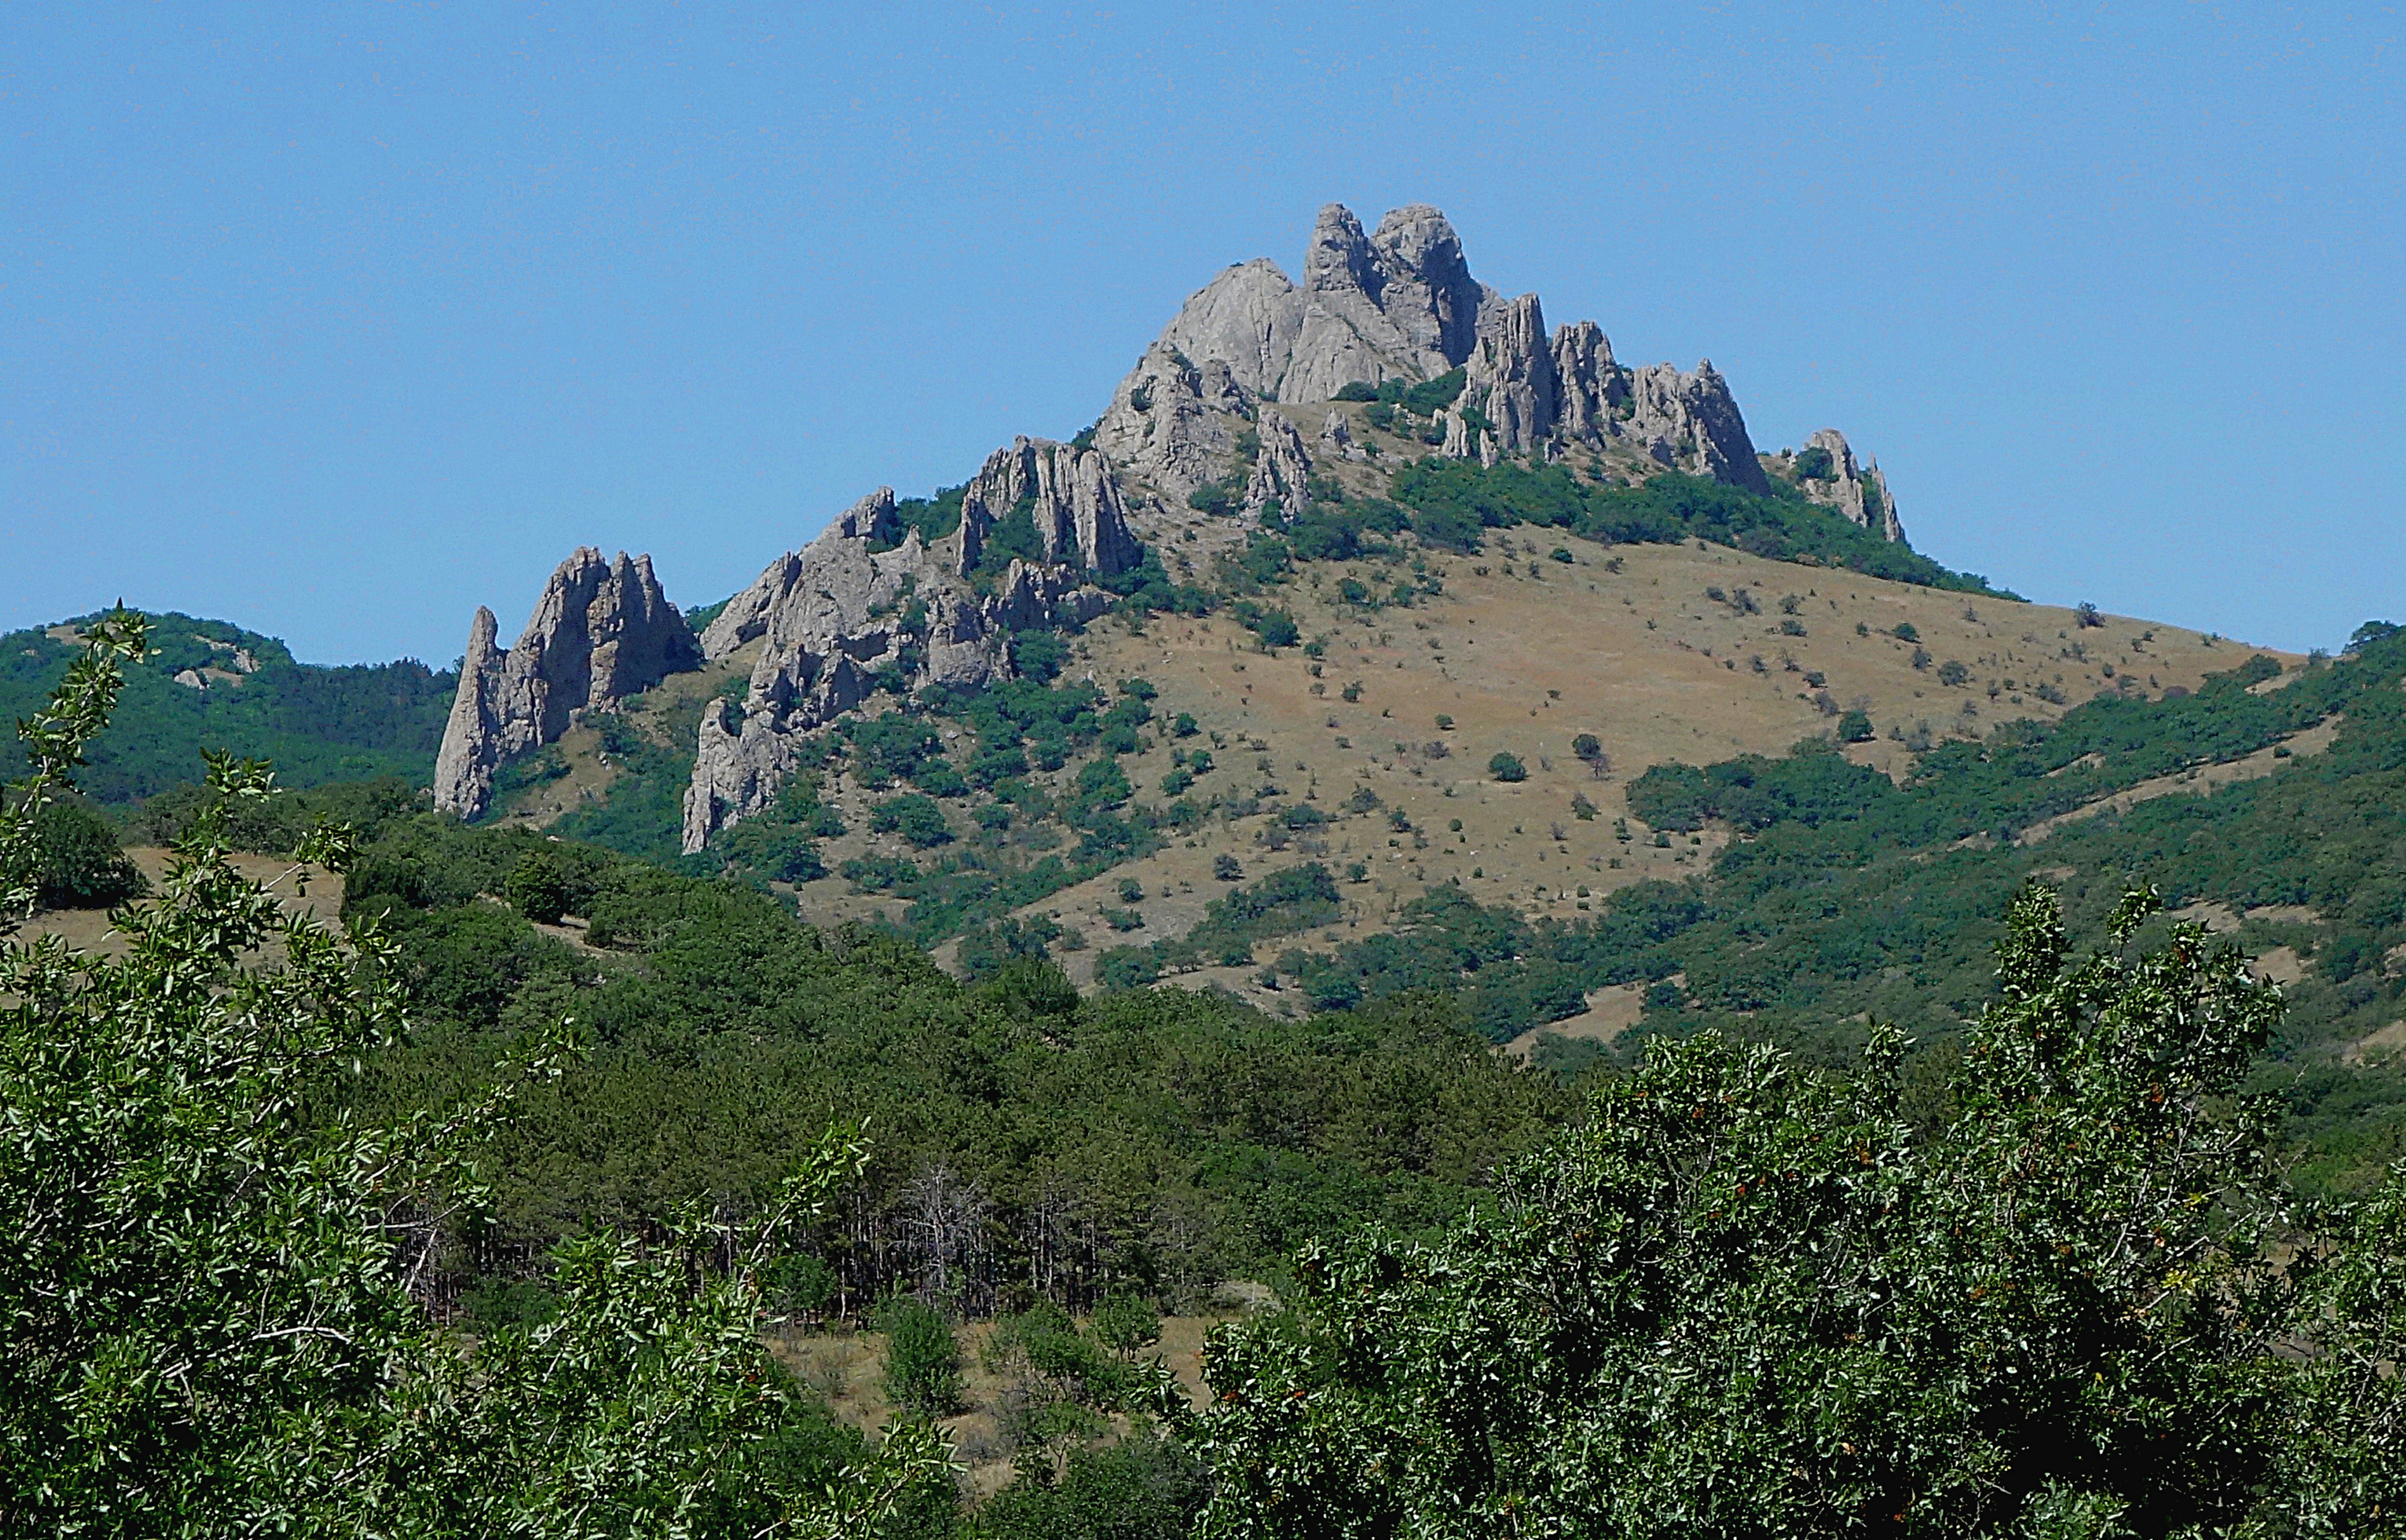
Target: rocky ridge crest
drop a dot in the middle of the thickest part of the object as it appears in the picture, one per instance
(1399, 304)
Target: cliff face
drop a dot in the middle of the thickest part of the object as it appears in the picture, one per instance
(857, 603)
(600, 633)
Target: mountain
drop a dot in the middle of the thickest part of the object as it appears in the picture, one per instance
(1262, 401)
(1457, 721)
(1376, 637)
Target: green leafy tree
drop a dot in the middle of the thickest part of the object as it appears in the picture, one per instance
(1743, 1298)
(1507, 767)
(914, 816)
(210, 1310)
(1125, 1322)
(538, 888)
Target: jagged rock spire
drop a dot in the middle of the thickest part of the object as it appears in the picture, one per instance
(1858, 491)
(600, 633)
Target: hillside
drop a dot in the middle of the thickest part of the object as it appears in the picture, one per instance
(211, 685)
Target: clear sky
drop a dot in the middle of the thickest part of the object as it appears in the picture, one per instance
(339, 319)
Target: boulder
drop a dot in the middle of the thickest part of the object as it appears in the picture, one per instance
(600, 633)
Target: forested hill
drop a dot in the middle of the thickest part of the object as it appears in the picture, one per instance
(211, 685)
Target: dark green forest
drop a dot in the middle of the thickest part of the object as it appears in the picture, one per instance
(318, 723)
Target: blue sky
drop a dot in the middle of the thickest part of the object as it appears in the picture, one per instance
(338, 320)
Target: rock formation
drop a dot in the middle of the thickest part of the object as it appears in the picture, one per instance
(1176, 423)
(1281, 476)
(1691, 422)
(1510, 377)
(869, 599)
(1588, 388)
(1827, 472)
(1400, 303)
(1070, 497)
(600, 633)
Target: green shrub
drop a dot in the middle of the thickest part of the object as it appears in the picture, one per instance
(922, 1360)
(1435, 395)
(914, 816)
(1125, 968)
(80, 864)
(1126, 1321)
(1227, 868)
(538, 888)
(937, 778)
(1507, 767)
(1855, 727)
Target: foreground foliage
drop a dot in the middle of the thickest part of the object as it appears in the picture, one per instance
(1743, 1299)
(210, 1313)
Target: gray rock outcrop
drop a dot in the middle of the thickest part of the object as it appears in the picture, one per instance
(1588, 388)
(1071, 497)
(600, 633)
(1510, 377)
(1176, 423)
(869, 599)
(1691, 422)
(1858, 492)
(1399, 304)
(1281, 476)
(1245, 318)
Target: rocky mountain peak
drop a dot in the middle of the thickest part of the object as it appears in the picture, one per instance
(1400, 303)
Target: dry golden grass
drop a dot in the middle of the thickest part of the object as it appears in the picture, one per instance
(1523, 653)
(847, 1368)
(88, 930)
